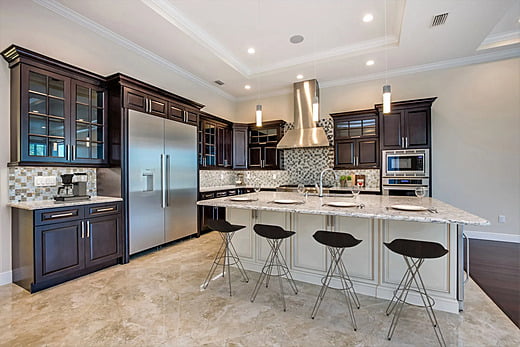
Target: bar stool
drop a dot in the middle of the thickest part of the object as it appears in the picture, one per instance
(336, 243)
(275, 260)
(414, 252)
(226, 255)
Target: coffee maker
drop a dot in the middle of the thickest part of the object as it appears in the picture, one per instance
(70, 191)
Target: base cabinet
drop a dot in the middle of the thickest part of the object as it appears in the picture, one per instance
(51, 246)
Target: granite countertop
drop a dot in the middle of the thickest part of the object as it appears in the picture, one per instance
(375, 206)
(40, 205)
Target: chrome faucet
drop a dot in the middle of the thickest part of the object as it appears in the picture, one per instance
(321, 180)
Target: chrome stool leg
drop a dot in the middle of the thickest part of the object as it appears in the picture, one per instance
(347, 287)
(412, 275)
(226, 256)
(275, 260)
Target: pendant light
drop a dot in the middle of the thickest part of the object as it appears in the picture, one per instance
(387, 90)
(258, 115)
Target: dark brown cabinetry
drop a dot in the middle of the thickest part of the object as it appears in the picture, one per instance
(51, 246)
(240, 142)
(263, 153)
(58, 112)
(215, 142)
(145, 102)
(356, 142)
(408, 125)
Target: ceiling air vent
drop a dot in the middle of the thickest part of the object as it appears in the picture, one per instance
(219, 82)
(439, 19)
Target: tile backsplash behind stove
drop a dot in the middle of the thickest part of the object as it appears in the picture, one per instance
(22, 187)
(300, 165)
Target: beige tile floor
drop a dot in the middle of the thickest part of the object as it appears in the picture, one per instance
(156, 300)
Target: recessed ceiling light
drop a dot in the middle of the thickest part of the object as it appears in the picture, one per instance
(300, 76)
(368, 18)
(251, 50)
(247, 86)
(296, 39)
(370, 62)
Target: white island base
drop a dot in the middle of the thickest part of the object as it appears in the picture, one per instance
(374, 270)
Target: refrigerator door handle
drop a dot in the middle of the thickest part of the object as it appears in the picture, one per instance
(163, 181)
(167, 181)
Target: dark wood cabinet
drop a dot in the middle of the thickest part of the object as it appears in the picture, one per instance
(215, 143)
(51, 246)
(182, 114)
(58, 112)
(145, 102)
(240, 141)
(262, 151)
(356, 142)
(408, 125)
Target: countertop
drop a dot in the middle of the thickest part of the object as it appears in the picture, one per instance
(375, 206)
(40, 205)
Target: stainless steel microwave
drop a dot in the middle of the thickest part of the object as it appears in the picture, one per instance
(408, 162)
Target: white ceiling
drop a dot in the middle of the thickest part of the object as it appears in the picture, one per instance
(209, 38)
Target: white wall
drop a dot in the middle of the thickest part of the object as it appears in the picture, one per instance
(31, 26)
(475, 132)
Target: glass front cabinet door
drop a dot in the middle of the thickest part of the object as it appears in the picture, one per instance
(62, 120)
(45, 122)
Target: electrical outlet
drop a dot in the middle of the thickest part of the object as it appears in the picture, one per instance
(274, 176)
(501, 219)
(45, 181)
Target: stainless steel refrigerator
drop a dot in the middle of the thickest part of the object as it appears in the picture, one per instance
(162, 180)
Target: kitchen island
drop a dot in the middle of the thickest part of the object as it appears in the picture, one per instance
(374, 270)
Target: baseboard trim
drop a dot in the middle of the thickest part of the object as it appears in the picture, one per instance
(482, 235)
(6, 277)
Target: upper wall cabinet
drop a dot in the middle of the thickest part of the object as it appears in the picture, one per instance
(127, 93)
(263, 153)
(58, 112)
(215, 142)
(356, 141)
(408, 125)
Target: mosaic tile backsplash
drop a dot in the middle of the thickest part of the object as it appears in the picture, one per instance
(22, 188)
(299, 165)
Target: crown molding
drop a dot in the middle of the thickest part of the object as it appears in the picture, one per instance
(99, 29)
(169, 12)
(501, 39)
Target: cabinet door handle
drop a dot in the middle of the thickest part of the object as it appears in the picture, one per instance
(67, 149)
(73, 150)
(82, 229)
(402, 142)
(105, 209)
(62, 215)
(88, 229)
(406, 139)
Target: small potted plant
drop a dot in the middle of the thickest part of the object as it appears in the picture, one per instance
(349, 181)
(342, 181)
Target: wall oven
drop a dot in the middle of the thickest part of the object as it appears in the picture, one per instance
(405, 170)
(409, 162)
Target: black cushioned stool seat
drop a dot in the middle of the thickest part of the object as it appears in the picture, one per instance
(414, 252)
(226, 255)
(275, 264)
(336, 243)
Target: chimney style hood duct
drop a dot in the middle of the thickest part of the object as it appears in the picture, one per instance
(305, 132)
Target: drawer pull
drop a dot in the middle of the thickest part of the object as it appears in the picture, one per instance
(104, 209)
(62, 215)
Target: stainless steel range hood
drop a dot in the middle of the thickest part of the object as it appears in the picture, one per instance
(305, 132)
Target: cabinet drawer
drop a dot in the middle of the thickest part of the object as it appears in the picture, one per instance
(43, 217)
(208, 195)
(102, 209)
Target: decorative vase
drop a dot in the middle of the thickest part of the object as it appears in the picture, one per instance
(349, 183)
(342, 183)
